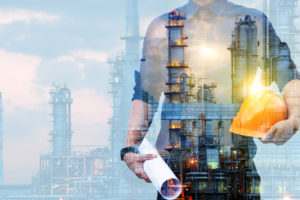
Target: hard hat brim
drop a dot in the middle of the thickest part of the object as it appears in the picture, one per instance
(258, 114)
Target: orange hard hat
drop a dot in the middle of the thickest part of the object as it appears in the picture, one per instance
(258, 114)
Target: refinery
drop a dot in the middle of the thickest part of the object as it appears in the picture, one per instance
(198, 126)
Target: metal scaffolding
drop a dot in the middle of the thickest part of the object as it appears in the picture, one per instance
(123, 69)
(208, 169)
(64, 173)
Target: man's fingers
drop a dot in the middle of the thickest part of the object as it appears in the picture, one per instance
(147, 180)
(145, 177)
(143, 157)
(142, 175)
(282, 136)
(268, 137)
(135, 163)
(278, 138)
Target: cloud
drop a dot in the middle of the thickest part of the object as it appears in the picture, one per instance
(90, 108)
(18, 73)
(91, 55)
(21, 157)
(90, 114)
(80, 56)
(251, 4)
(70, 59)
(8, 16)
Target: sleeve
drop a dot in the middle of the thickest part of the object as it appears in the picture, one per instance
(282, 67)
(139, 93)
(148, 81)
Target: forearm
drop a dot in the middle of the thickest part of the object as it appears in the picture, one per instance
(137, 118)
(291, 94)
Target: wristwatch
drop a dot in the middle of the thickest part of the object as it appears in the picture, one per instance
(127, 150)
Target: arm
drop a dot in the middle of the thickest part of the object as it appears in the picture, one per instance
(145, 81)
(291, 93)
(281, 132)
(136, 123)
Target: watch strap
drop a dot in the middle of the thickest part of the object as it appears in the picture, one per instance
(127, 150)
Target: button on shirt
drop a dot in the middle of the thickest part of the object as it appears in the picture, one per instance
(209, 29)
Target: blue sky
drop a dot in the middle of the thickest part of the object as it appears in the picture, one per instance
(66, 41)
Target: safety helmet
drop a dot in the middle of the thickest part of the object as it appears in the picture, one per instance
(258, 114)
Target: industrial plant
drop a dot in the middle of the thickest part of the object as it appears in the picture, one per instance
(198, 151)
(199, 127)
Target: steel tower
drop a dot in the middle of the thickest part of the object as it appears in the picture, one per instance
(61, 112)
(122, 82)
(132, 57)
(116, 82)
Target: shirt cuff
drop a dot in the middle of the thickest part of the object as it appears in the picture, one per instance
(139, 93)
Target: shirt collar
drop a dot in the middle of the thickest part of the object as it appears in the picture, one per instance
(218, 7)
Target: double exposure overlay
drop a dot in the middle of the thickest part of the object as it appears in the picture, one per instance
(192, 100)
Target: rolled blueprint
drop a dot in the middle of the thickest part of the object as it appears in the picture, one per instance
(161, 176)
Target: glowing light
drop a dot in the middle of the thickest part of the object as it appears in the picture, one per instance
(257, 85)
(286, 198)
(175, 126)
(193, 161)
(174, 64)
(207, 52)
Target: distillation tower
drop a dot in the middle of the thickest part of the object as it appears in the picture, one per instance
(132, 57)
(116, 81)
(277, 67)
(280, 172)
(122, 83)
(117, 138)
(61, 114)
(199, 127)
(1, 143)
(66, 174)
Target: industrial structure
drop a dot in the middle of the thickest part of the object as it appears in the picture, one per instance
(199, 127)
(123, 69)
(132, 40)
(117, 138)
(283, 16)
(61, 118)
(281, 171)
(99, 173)
(64, 173)
(125, 189)
(93, 175)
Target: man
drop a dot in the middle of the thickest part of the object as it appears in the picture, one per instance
(209, 25)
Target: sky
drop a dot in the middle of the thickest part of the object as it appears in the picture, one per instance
(66, 42)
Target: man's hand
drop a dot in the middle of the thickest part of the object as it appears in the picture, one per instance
(135, 163)
(280, 133)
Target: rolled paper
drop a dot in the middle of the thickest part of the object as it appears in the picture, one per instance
(161, 176)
